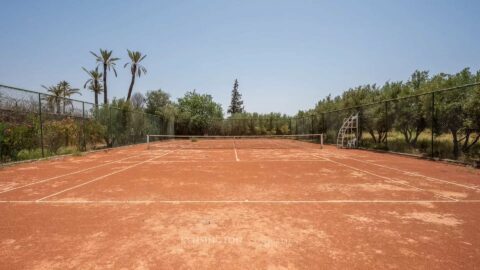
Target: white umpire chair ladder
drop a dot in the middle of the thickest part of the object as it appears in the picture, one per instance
(348, 134)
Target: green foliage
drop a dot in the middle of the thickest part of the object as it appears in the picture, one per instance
(26, 154)
(58, 133)
(236, 104)
(409, 113)
(94, 83)
(136, 69)
(95, 133)
(197, 113)
(108, 62)
(157, 101)
(15, 138)
(67, 150)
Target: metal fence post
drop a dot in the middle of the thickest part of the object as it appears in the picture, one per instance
(386, 124)
(41, 122)
(323, 123)
(433, 123)
(110, 139)
(84, 143)
(311, 123)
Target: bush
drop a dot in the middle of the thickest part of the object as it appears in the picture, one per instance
(16, 137)
(95, 133)
(65, 150)
(26, 154)
(57, 133)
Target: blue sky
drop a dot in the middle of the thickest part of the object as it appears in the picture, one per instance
(286, 54)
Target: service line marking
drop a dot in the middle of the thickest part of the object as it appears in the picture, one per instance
(101, 177)
(235, 149)
(67, 174)
(395, 180)
(429, 178)
(101, 202)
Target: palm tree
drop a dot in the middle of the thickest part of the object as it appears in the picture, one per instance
(108, 62)
(54, 97)
(67, 92)
(135, 68)
(94, 83)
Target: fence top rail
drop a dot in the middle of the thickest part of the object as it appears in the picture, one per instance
(288, 117)
(405, 97)
(70, 99)
(45, 94)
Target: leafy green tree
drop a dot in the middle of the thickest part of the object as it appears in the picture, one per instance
(136, 69)
(409, 113)
(453, 111)
(121, 118)
(156, 100)
(197, 112)
(94, 82)
(236, 104)
(472, 118)
(108, 62)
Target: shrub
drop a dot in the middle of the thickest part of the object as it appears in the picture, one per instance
(57, 133)
(65, 150)
(16, 137)
(95, 133)
(26, 154)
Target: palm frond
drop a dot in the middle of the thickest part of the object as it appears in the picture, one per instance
(87, 82)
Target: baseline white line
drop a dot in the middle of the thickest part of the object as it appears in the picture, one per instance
(67, 174)
(230, 161)
(429, 178)
(100, 178)
(242, 202)
(395, 180)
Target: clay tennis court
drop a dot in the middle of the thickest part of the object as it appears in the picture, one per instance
(262, 204)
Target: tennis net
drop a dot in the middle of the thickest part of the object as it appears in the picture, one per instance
(235, 142)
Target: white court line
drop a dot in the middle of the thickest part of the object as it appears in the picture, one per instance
(428, 178)
(67, 174)
(389, 179)
(101, 177)
(67, 202)
(235, 149)
(230, 161)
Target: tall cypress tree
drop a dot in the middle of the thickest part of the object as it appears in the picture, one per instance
(236, 105)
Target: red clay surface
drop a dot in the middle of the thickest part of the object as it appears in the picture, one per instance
(177, 207)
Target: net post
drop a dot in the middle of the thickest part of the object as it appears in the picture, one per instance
(321, 140)
(148, 141)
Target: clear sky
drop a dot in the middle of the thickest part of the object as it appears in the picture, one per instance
(286, 54)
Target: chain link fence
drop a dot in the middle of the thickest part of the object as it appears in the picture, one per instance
(443, 124)
(35, 125)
